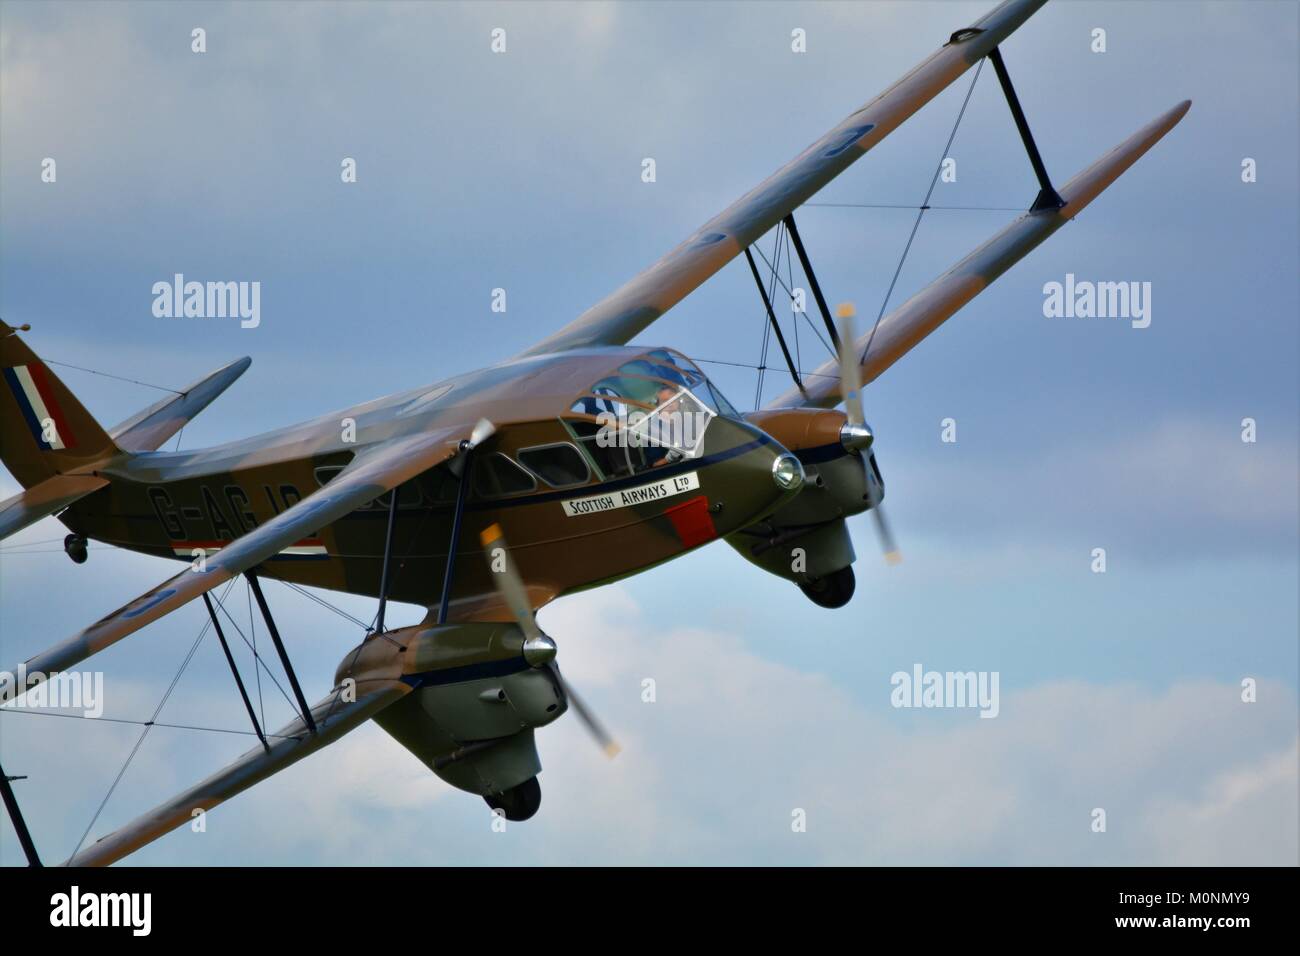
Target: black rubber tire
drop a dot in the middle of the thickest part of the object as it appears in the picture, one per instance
(518, 803)
(76, 547)
(832, 591)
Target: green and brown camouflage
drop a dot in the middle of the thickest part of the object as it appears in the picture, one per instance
(516, 448)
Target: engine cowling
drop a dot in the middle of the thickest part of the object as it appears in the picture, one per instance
(477, 697)
(806, 540)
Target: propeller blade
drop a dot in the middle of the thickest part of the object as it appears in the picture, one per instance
(851, 388)
(481, 432)
(512, 590)
(597, 730)
(508, 582)
(850, 371)
(892, 554)
(886, 536)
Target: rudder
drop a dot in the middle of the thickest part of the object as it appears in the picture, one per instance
(44, 429)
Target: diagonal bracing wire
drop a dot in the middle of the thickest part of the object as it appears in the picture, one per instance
(259, 664)
(147, 727)
(257, 672)
(789, 276)
(326, 604)
(133, 381)
(920, 212)
(802, 373)
(789, 291)
(142, 723)
(767, 327)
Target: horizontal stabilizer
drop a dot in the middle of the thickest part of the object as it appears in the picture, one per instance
(150, 428)
(45, 498)
(924, 312)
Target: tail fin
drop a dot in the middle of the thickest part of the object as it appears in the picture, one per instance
(44, 430)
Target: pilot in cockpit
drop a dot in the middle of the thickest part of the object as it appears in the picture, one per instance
(665, 426)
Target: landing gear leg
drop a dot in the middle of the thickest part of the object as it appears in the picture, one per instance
(75, 546)
(832, 591)
(518, 803)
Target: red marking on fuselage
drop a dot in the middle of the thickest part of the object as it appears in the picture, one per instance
(692, 521)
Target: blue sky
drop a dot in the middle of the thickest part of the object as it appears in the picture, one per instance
(522, 171)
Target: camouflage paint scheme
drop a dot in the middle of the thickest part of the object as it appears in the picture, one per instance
(161, 501)
(463, 695)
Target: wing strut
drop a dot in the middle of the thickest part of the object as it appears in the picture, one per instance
(388, 554)
(462, 491)
(771, 317)
(1048, 197)
(16, 815)
(234, 669)
(279, 649)
(812, 281)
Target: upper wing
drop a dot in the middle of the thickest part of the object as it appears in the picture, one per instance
(924, 312)
(616, 319)
(44, 498)
(373, 472)
(334, 717)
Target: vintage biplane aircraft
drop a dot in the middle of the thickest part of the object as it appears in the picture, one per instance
(571, 451)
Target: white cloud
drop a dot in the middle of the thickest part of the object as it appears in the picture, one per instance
(1188, 774)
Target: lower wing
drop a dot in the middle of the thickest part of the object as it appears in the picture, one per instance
(334, 717)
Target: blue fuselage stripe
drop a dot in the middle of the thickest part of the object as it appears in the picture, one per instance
(467, 672)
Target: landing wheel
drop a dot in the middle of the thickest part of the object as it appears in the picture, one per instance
(75, 546)
(518, 803)
(833, 590)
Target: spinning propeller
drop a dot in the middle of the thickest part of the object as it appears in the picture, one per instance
(539, 649)
(857, 435)
(481, 432)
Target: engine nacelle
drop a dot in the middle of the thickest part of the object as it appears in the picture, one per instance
(476, 700)
(806, 540)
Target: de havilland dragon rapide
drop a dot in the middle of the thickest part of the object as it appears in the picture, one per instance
(484, 497)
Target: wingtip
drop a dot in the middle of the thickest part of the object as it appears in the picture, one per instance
(1172, 116)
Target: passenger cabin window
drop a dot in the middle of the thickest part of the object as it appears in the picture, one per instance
(440, 485)
(409, 495)
(560, 466)
(613, 461)
(497, 475)
(327, 473)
